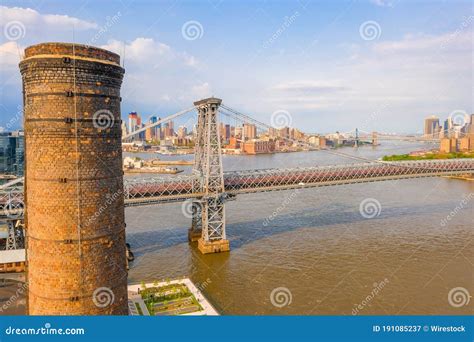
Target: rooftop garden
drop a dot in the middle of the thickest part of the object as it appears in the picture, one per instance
(169, 299)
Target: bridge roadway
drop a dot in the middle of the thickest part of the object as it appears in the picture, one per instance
(139, 192)
(154, 191)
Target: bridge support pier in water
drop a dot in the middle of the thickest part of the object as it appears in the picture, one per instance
(208, 213)
(195, 232)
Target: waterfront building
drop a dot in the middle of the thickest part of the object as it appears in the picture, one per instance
(322, 142)
(124, 129)
(432, 127)
(238, 132)
(151, 132)
(258, 146)
(167, 130)
(448, 145)
(158, 129)
(296, 134)
(250, 131)
(154, 130)
(447, 126)
(132, 122)
(148, 134)
(182, 132)
(227, 130)
(284, 132)
(12, 153)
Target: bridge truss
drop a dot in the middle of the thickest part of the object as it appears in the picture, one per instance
(160, 190)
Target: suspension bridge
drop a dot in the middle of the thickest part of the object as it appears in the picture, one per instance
(208, 188)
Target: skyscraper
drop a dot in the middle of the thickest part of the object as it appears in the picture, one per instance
(431, 126)
(12, 153)
(182, 132)
(227, 132)
(155, 132)
(132, 122)
(250, 131)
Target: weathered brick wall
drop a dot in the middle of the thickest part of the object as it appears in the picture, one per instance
(74, 181)
(70, 49)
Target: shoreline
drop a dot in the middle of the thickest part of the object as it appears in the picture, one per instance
(135, 171)
(462, 177)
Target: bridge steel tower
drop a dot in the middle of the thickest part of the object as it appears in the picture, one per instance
(75, 227)
(208, 220)
(374, 139)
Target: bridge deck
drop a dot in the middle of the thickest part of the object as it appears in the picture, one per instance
(161, 190)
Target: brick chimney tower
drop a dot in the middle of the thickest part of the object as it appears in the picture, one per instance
(74, 199)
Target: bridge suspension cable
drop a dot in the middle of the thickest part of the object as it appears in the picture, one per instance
(245, 118)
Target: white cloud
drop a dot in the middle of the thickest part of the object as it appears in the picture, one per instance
(156, 75)
(33, 19)
(401, 80)
(310, 86)
(382, 3)
(141, 51)
(201, 91)
(421, 43)
(148, 53)
(10, 54)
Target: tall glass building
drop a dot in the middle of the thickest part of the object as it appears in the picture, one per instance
(12, 153)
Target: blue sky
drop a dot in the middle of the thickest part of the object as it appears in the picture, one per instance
(312, 59)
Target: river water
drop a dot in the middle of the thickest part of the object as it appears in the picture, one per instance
(318, 254)
(312, 251)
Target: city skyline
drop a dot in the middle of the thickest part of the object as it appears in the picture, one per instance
(351, 67)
